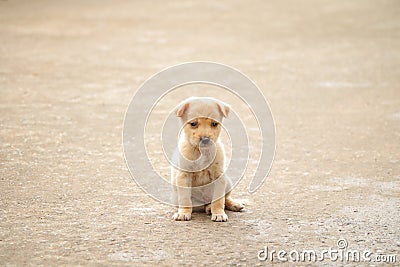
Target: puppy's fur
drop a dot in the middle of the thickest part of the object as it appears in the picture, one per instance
(201, 118)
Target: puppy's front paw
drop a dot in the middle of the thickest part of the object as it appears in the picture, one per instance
(182, 216)
(207, 209)
(219, 217)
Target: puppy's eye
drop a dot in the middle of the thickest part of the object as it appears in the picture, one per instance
(214, 124)
(193, 124)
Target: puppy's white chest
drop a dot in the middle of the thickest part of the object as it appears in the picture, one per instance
(201, 178)
(205, 160)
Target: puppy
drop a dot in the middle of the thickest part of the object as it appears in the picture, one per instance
(199, 177)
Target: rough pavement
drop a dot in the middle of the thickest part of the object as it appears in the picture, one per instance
(329, 69)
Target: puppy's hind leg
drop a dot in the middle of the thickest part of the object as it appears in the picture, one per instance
(232, 205)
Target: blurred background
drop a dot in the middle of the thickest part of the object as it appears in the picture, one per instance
(68, 69)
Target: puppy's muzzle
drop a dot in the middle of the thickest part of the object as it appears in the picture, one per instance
(204, 140)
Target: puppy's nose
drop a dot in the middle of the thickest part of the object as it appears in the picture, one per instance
(205, 140)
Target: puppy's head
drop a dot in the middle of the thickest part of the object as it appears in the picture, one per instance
(201, 118)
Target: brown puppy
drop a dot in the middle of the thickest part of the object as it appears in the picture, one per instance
(200, 174)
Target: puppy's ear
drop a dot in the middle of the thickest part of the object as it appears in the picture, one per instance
(224, 109)
(182, 109)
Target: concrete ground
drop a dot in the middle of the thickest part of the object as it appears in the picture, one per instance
(68, 69)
